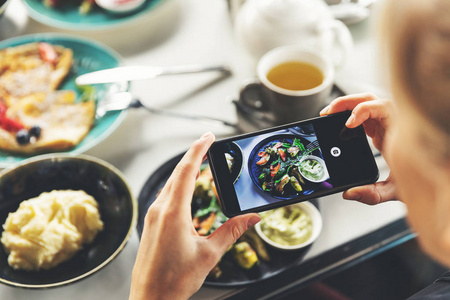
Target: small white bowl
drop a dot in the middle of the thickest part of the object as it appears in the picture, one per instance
(316, 220)
(324, 166)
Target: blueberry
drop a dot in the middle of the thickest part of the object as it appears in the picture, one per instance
(35, 131)
(23, 137)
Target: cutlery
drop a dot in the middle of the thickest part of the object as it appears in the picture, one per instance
(132, 73)
(312, 146)
(124, 100)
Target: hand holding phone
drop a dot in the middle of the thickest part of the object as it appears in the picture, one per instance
(170, 242)
(290, 163)
(375, 115)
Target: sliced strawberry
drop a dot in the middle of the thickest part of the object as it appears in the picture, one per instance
(10, 124)
(7, 123)
(47, 53)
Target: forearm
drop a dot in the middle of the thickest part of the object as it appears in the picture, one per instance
(144, 290)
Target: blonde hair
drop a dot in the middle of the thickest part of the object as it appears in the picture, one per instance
(417, 33)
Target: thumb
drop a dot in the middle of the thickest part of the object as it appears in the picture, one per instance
(225, 236)
(373, 193)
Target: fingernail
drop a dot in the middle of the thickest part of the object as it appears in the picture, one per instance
(352, 196)
(253, 220)
(206, 135)
(350, 120)
(325, 110)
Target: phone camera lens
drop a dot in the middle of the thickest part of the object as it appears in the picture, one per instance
(335, 151)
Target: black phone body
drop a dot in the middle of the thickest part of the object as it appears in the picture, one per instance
(290, 163)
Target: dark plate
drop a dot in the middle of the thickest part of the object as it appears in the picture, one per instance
(234, 276)
(3, 4)
(45, 173)
(236, 152)
(255, 171)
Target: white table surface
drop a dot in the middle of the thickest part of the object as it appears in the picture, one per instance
(183, 32)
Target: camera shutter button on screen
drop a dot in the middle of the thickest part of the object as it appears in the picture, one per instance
(335, 151)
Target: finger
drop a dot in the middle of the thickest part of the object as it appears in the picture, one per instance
(377, 109)
(369, 128)
(184, 175)
(163, 194)
(346, 103)
(198, 172)
(372, 194)
(231, 230)
(165, 191)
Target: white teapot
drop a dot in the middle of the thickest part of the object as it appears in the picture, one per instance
(262, 25)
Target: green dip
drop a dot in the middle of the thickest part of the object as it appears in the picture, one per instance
(288, 226)
(311, 169)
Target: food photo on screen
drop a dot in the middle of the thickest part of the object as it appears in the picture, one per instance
(277, 166)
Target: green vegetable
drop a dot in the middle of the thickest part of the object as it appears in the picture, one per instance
(244, 255)
(310, 151)
(220, 219)
(295, 184)
(296, 173)
(278, 160)
(213, 207)
(288, 169)
(298, 144)
(88, 93)
(86, 6)
(251, 237)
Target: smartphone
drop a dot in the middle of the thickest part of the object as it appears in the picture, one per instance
(290, 163)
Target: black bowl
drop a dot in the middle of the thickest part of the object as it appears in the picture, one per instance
(118, 210)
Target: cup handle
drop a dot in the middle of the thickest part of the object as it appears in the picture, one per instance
(344, 42)
(252, 95)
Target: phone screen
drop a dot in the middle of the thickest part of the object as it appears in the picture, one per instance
(293, 163)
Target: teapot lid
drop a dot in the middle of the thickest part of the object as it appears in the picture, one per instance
(293, 13)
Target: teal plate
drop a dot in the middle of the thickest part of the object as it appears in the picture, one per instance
(88, 56)
(68, 17)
